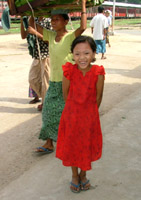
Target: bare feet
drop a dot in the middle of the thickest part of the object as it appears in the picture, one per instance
(103, 57)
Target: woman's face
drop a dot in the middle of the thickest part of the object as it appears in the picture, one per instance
(58, 22)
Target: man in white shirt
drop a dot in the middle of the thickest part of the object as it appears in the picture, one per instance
(98, 27)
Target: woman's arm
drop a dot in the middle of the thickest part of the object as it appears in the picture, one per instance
(65, 87)
(83, 24)
(35, 32)
(104, 36)
(99, 89)
(35, 29)
(24, 33)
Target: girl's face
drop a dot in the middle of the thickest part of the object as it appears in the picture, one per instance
(58, 22)
(83, 55)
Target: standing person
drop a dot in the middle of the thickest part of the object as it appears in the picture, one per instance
(79, 137)
(32, 93)
(98, 27)
(59, 48)
(39, 71)
(107, 14)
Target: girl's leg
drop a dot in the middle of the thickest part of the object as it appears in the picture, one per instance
(85, 185)
(75, 180)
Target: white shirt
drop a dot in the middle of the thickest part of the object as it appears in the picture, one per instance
(99, 23)
(109, 21)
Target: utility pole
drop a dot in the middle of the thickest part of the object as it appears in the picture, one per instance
(113, 19)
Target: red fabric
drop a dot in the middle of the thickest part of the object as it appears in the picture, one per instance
(79, 136)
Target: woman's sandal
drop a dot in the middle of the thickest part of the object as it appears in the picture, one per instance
(83, 185)
(35, 100)
(76, 186)
(39, 108)
(43, 150)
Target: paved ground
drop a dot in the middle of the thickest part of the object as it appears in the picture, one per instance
(26, 176)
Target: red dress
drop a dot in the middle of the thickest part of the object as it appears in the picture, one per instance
(79, 135)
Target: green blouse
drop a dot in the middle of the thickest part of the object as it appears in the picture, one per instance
(59, 52)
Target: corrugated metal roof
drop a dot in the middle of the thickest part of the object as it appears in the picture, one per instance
(118, 4)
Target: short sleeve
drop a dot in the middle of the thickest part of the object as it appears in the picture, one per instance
(47, 34)
(67, 70)
(100, 70)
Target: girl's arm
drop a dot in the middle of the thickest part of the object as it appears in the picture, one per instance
(99, 89)
(65, 87)
(24, 33)
(83, 24)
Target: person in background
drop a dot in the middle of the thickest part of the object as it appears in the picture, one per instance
(60, 40)
(98, 28)
(0, 25)
(107, 14)
(39, 71)
(79, 137)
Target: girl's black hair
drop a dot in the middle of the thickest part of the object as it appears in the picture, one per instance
(83, 39)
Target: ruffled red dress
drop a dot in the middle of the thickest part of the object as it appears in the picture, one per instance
(79, 135)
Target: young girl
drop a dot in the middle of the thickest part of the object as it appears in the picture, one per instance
(79, 136)
(59, 50)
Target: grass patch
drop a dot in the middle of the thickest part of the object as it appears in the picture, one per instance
(124, 22)
(15, 27)
(119, 22)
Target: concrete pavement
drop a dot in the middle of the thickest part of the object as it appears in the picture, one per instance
(117, 176)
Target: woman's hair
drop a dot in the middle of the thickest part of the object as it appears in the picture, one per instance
(65, 16)
(83, 39)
